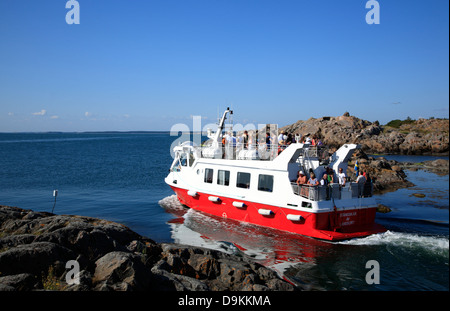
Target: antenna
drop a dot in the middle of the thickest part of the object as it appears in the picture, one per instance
(55, 194)
(231, 117)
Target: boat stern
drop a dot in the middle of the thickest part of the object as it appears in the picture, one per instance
(347, 224)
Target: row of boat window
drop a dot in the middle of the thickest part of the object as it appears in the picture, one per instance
(265, 182)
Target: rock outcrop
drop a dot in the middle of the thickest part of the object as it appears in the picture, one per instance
(439, 166)
(35, 248)
(386, 175)
(390, 175)
(424, 136)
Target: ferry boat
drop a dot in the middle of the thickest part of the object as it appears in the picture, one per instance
(254, 181)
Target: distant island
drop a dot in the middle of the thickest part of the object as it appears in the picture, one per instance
(408, 137)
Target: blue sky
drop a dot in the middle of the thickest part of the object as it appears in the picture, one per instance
(147, 65)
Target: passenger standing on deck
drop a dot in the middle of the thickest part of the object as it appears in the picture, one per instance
(282, 137)
(342, 177)
(240, 143)
(301, 178)
(230, 145)
(301, 181)
(330, 174)
(245, 136)
(268, 141)
(324, 180)
(289, 139)
(361, 179)
(231, 139)
(313, 180)
(281, 141)
(307, 139)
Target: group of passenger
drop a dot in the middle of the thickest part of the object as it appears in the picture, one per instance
(312, 181)
(246, 140)
(284, 139)
(313, 141)
(328, 178)
(363, 180)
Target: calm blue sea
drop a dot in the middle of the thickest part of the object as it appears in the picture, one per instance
(120, 177)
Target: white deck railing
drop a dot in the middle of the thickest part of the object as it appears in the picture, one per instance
(240, 152)
(333, 191)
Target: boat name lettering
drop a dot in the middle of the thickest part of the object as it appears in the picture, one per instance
(348, 214)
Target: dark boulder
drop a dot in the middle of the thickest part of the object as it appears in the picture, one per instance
(36, 246)
(216, 270)
(21, 282)
(121, 271)
(35, 258)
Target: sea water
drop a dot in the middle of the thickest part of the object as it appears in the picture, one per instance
(120, 177)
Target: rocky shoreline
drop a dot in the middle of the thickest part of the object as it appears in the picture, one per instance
(390, 175)
(36, 249)
(411, 137)
(439, 166)
(386, 175)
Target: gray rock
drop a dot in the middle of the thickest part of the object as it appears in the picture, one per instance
(121, 271)
(418, 137)
(217, 270)
(35, 246)
(15, 240)
(22, 282)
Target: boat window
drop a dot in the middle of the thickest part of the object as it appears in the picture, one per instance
(306, 204)
(243, 180)
(223, 178)
(209, 175)
(265, 183)
(183, 159)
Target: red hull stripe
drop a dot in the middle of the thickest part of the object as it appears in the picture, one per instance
(332, 226)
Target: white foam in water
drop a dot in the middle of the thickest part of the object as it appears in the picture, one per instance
(437, 245)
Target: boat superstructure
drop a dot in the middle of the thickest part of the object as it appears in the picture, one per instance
(252, 181)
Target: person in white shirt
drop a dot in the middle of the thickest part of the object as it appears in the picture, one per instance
(231, 139)
(308, 139)
(324, 180)
(282, 138)
(342, 177)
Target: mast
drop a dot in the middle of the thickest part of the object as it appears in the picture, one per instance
(222, 125)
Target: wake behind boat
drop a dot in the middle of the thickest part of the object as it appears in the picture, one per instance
(255, 180)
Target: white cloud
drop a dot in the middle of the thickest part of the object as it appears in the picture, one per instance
(10, 114)
(88, 114)
(54, 117)
(40, 113)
